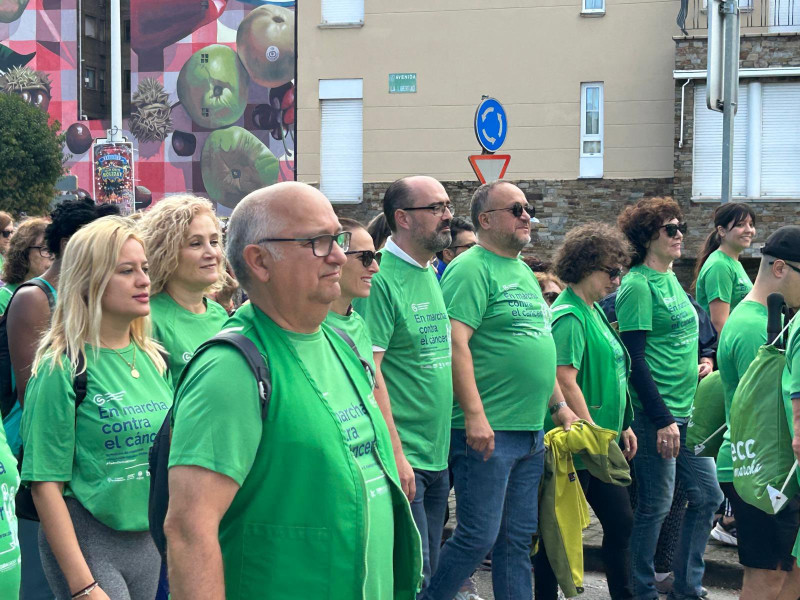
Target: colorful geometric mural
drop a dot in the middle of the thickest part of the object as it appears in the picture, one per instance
(212, 90)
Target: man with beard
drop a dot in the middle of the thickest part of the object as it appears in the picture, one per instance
(410, 333)
(504, 367)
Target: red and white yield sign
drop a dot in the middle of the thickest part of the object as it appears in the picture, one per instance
(489, 167)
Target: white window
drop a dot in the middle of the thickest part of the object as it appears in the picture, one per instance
(90, 26)
(766, 143)
(593, 7)
(784, 15)
(90, 79)
(341, 140)
(591, 151)
(342, 12)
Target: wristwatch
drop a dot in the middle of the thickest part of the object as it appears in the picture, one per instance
(556, 407)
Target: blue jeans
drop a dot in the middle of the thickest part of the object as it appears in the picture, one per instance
(655, 481)
(428, 509)
(496, 511)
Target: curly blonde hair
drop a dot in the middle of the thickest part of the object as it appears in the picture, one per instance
(165, 228)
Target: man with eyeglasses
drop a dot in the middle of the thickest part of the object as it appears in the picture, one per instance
(504, 379)
(304, 502)
(410, 332)
(463, 234)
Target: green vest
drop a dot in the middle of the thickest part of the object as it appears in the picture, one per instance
(308, 488)
(597, 365)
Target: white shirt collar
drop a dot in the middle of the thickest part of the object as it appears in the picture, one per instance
(402, 254)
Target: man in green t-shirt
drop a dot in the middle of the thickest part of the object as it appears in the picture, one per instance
(299, 497)
(407, 321)
(764, 541)
(504, 379)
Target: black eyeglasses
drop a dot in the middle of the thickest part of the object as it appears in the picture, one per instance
(6, 233)
(366, 257)
(517, 209)
(612, 272)
(791, 266)
(673, 228)
(43, 251)
(436, 209)
(321, 245)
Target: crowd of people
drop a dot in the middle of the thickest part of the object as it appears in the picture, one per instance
(395, 361)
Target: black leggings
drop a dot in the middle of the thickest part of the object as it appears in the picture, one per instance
(612, 506)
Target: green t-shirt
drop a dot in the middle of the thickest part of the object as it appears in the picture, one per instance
(513, 354)
(5, 295)
(354, 326)
(655, 302)
(790, 381)
(405, 314)
(335, 386)
(722, 278)
(181, 331)
(10, 569)
(744, 333)
(102, 454)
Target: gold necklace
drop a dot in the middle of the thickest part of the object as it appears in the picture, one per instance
(134, 372)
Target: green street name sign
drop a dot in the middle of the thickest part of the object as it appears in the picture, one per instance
(402, 83)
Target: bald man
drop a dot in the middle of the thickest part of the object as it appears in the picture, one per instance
(305, 503)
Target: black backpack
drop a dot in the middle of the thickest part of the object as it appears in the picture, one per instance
(25, 508)
(8, 395)
(159, 452)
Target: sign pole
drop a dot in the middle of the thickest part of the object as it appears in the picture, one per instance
(115, 133)
(729, 11)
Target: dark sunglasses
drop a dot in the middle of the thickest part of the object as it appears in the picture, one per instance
(366, 257)
(7, 234)
(612, 272)
(673, 228)
(517, 209)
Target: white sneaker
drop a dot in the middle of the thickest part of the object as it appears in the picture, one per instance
(726, 535)
(469, 591)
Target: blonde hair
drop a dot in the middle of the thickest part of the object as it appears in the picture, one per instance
(87, 265)
(164, 229)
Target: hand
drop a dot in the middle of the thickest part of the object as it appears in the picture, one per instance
(705, 367)
(669, 441)
(98, 594)
(480, 436)
(407, 481)
(565, 417)
(629, 444)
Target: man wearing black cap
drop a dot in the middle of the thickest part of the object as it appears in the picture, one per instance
(764, 541)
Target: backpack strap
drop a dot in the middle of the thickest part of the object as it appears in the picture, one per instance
(364, 363)
(42, 285)
(79, 383)
(250, 353)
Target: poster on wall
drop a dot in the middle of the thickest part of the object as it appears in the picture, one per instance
(212, 88)
(114, 175)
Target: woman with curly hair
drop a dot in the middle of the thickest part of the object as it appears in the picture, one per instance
(184, 246)
(6, 230)
(27, 257)
(659, 327)
(87, 460)
(720, 280)
(592, 370)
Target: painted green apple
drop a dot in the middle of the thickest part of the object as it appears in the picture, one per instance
(212, 87)
(234, 163)
(11, 10)
(265, 43)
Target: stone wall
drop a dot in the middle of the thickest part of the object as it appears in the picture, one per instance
(757, 50)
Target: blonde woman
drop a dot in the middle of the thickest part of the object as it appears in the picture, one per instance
(184, 246)
(87, 462)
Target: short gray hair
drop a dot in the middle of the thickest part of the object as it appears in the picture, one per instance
(251, 220)
(480, 199)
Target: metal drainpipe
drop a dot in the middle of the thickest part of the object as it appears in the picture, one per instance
(80, 60)
(683, 89)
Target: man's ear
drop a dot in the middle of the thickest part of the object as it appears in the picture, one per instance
(401, 219)
(259, 262)
(448, 255)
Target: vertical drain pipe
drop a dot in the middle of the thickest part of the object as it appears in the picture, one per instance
(683, 91)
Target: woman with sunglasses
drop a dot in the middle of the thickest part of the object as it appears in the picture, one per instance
(27, 257)
(6, 229)
(592, 370)
(87, 461)
(720, 280)
(184, 246)
(659, 327)
(355, 282)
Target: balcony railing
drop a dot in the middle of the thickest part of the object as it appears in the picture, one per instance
(763, 16)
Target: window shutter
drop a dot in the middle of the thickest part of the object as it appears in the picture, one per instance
(341, 150)
(780, 140)
(707, 162)
(342, 11)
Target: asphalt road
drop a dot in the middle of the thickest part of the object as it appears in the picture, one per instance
(595, 588)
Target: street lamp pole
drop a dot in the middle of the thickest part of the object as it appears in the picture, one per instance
(115, 133)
